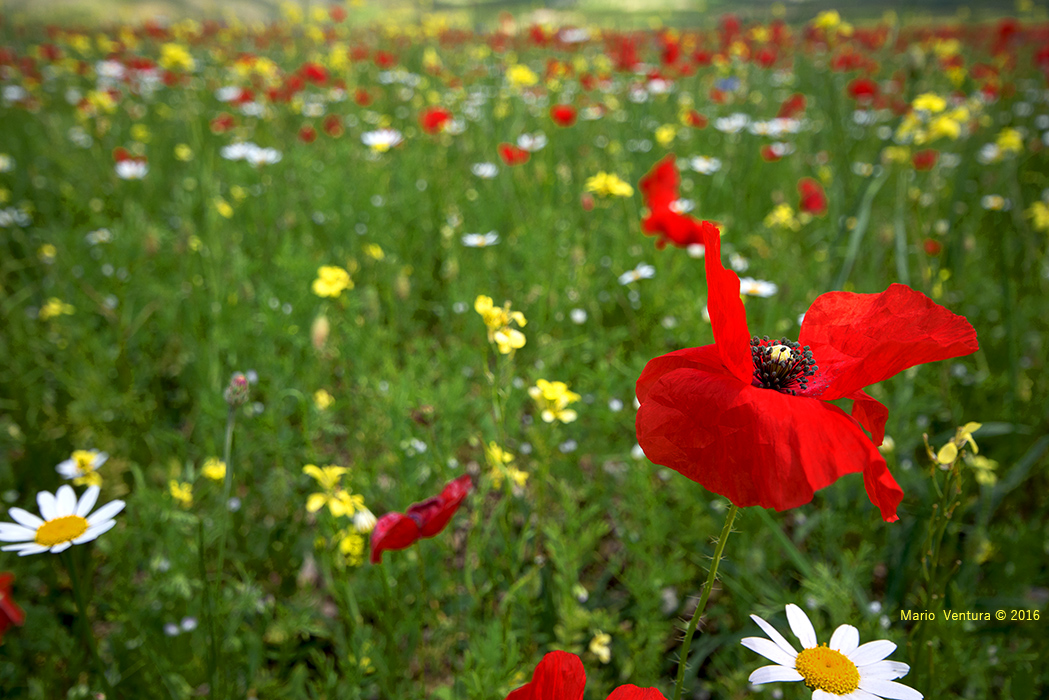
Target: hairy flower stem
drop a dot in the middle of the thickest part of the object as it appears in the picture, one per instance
(226, 489)
(85, 629)
(707, 587)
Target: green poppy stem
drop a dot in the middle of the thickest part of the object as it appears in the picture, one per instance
(227, 487)
(707, 587)
(85, 628)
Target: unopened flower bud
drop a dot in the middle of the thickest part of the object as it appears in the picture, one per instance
(236, 393)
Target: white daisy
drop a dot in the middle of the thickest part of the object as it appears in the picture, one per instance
(480, 240)
(757, 288)
(643, 271)
(65, 522)
(82, 467)
(485, 171)
(382, 139)
(844, 670)
(132, 169)
(532, 142)
(705, 165)
(364, 520)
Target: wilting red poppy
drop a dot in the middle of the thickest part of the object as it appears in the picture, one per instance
(512, 155)
(424, 519)
(433, 119)
(813, 198)
(10, 613)
(749, 418)
(560, 676)
(563, 115)
(924, 160)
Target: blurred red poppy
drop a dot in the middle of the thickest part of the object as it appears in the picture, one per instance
(307, 134)
(813, 198)
(424, 519)
(433, 119)
(664, 219)
(10, 613)
(560, 676)
(749, 418)
(924, 160)
(792, 107)
(512, 155)
(563, 115)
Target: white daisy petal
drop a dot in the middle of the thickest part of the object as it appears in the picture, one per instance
(67, 469)
(65, 500)
(774, 674)
(93, 532)
(9, 532)
(87, 501)
(856, 695)
(61, 547)
(769, 650)
(885, 670)
(26, 548)
(824, 695)
(24, 517)
(775, 636)
(889, 689)
(871, 652)
(105, 512)
(845, 639)
(45, 500)
(802, 627)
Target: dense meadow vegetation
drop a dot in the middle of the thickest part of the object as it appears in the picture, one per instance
(264, 285)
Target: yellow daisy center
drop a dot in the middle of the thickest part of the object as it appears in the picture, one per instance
(828, 670)
(59, 530)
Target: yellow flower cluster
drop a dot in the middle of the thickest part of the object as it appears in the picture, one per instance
(521, 76)
(176, 57)
(55, 307)
(1038, 213)
(214, 469)
(947, 454)
(501, 463)
(929, 121)
(553, 399)
(339, 501)
(181, 492)
(782, 217)
(331, 281)
(608, 185)
(498, 320)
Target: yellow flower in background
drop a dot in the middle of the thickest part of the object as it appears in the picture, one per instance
(214, 469)
(176, 57)
(322, 399)
(374, 251)
(1038, 213)
(944, 125)
(351, 546)
(553, 399)
(896, 154)
(55, 307)
(521, 76)
(983, 469)
(498, 320)
(101, 101)
(502, 467)
(331, 281)
(183, 153)
(665, 134)
(1010, 141)
(600, 644)
(782, 217)
(608, 185)
(82, 467)
(181, 492)
(948, 454)
(339, 501)
(929, 102)
(223, 207)
(140, 133)
(46, 253)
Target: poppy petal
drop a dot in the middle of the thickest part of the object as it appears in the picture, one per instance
(705, 358)
(870, 413)
(392, 531)
(861, 339)
(558, 676)
(433, 514)
(727, 315)
(882, 489)
(632, 692)
(752, 445)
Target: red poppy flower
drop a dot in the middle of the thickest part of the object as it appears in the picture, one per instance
(10, 613)
(696, 120)
(659, 188)
(307, 134)
(792, 107)
(560, 676)
(932, 247)
(433, 119)
(512, 155)
(563, 115)
(813, 198)
(924, 160)
(333, 126)
(425, 519)
(748, 418)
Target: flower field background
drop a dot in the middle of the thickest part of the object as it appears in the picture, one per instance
(266, 283)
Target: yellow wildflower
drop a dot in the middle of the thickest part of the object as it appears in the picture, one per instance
(665, 134)
(929, 102)
(339, 501)
(47, 253)
(553, 399)
(351, 545)
(1039, 215)
(214, 469)
(521, 76)
(322, 399)
(176, 57)
(944, 125)
(82, 467)
(331, 281)
(55, 307)
(181, 492)
(782, 217)
(223, 207)
(608, 185)
(374, 251)
(498, 320)
(1010, 141)
(183, 152)
(600, 644)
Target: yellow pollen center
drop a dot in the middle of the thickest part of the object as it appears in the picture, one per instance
(780, 354)
(828, 670)
(59, 530)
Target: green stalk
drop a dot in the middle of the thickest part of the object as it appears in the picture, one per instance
(707, 587)
(85, 630)
(226, 488)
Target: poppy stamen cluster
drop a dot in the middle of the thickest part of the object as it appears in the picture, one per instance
(783, 365)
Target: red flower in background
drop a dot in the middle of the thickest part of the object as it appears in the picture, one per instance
(10, 613)
(563, 115)
(749, 418)
(792, 107)
(696, 120)
(813, 198)
(512, 155)
(333, 126)
(659, 188)
(425, 519)
(307, 134)
(433, 119)
(560, 676)
(924, 160)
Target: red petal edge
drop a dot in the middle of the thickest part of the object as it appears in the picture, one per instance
(558, 676)
(632, 692)
(728, 318)
(393, 531)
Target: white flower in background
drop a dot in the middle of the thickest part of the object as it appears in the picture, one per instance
(382, 139)
(132, 169)
(532, 142)
(64, 522)
(574, 36)
(261, 156)
(757, 288)
(738, 263)
(82, 467)
(485, 171)
(643, 271)
(480, 240)
(704, 165)
(682, 206)
(578, 316)
(842, 670)
(364, 520)
(995, 202)
(696, 250)
(732, 124)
